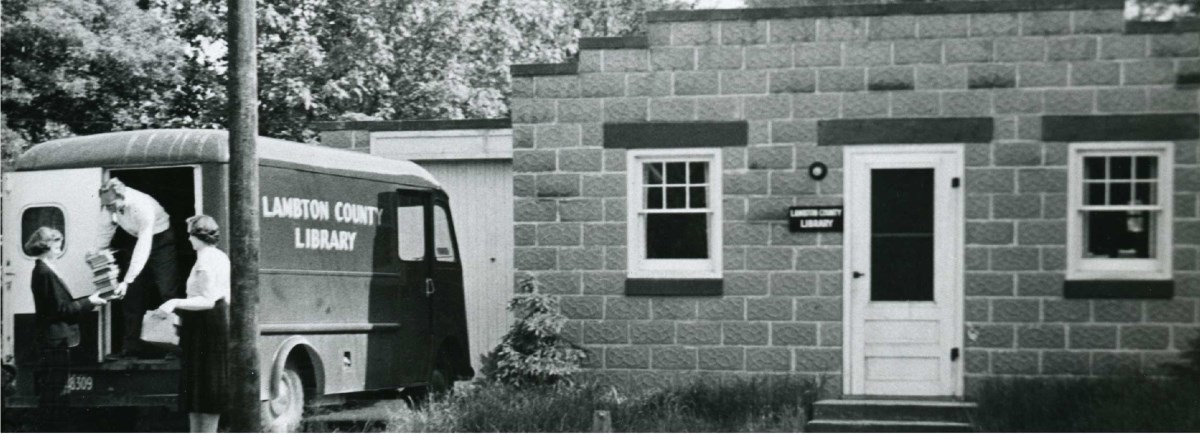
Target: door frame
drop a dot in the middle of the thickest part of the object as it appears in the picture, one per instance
(956, 200)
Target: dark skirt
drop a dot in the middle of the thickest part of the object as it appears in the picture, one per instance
(51, 378)
(204, 338)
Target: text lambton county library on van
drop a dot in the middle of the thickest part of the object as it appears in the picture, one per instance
(313, 209)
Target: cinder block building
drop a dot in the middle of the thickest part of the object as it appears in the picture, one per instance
(902, 198)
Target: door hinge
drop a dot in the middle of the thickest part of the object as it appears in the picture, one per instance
(955, 182)
(954, 354)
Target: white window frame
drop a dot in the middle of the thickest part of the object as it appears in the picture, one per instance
(1156, 268)
(641, 267)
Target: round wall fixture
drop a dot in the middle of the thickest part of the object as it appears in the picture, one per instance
(818, 170)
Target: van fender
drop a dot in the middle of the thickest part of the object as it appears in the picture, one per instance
(279, 361)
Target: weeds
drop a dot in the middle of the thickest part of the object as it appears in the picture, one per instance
(754, 405)
(1109, 404)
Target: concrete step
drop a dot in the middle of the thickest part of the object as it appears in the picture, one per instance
(895, 410)
(820, 425)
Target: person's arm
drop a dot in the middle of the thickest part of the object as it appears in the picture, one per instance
(64, 306)
(143, 214)
(204, 301)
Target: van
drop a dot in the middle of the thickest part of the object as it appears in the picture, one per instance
(360, 277)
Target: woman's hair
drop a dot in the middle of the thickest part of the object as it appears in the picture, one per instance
(39, 242)
(204, 228)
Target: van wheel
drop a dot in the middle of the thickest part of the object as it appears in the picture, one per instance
(285, 410)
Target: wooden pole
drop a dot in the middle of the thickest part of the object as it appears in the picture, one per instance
(245, 413)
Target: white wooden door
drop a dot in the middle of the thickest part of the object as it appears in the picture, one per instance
(903, 270)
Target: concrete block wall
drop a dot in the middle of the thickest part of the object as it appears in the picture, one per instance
(781, 311)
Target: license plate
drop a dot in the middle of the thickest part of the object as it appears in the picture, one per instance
(79, 383)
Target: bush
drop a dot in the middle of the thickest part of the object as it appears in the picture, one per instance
(534, 352)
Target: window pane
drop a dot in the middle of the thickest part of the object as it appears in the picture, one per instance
(443, 245)
(676, 173)
(676, 197)
(699, 197)
(654, 198)
(1119, 193)
(902, 201)
(1146, 193)
(1147, 167)
(698, 173)
(37, 217)
(1122, 168)
(1118, 234)
(1095, 194)
(677, 236)
(902, 234)
(653, 173)
(411, 232)
(1093, 168)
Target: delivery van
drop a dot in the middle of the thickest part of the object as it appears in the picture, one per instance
(360, 285)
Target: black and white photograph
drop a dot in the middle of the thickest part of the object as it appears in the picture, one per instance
(600, 215)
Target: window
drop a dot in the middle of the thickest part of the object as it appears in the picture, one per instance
(410, 231)
(1120, 197)
(443, 244)
(35, 217)
(674, 213)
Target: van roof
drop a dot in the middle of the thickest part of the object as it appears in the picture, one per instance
(180, 146)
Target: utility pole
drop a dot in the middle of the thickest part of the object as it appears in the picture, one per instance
(245, 411)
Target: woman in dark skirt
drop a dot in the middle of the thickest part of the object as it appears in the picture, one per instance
(57, 314)
(204, 332)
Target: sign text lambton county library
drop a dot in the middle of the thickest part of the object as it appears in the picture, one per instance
(319, 210)
(815, 219)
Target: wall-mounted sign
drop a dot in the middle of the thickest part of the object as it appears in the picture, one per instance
(815, 219)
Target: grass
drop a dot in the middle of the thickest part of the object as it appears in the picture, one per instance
(1108, 404)
(752, 405)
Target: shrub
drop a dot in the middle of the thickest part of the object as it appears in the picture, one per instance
(534, 351)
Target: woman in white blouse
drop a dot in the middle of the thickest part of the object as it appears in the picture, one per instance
(204, 332)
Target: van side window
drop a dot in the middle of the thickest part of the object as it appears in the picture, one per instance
(443, 246)
(410, 232)
(36, 217)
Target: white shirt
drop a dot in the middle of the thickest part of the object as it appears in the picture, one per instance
(142, 217)
(214, 265)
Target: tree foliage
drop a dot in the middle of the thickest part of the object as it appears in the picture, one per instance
(84, 66)
(87, 66)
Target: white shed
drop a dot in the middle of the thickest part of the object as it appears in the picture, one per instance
(473, 161)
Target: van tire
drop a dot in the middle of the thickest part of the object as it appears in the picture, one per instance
(285, 410)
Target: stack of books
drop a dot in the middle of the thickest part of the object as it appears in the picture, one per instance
(104, 270)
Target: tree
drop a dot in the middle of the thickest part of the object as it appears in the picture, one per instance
(69, 68)
(84, 66)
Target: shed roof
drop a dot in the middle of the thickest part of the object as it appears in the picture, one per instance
(180, 146)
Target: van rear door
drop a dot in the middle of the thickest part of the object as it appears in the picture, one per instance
(67, 200)
(414, 244)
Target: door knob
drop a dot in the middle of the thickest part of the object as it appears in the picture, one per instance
(856, 274)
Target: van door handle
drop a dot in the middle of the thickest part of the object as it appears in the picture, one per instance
(856, 274)
(429, 287)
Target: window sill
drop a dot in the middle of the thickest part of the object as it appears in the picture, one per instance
(675, 287)
(1119, 289)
